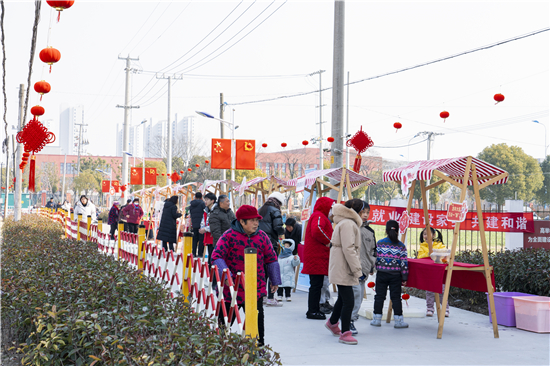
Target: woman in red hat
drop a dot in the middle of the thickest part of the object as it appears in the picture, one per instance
(229, 253)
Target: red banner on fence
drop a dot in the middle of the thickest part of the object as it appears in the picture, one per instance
(502, 221)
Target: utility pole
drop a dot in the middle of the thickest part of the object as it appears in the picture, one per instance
(126, 107)
(169, 120)
(320, 106)
(431, 136)
(7, 178)
(347, 126)
(222, 133)
(17, 155)
(64, 174)
(79, 143)
(338, 87)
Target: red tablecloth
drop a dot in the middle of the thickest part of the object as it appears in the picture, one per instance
(148, 224)
(424, 274)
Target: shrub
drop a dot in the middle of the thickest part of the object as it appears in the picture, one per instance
(65, 304)
(104, 215)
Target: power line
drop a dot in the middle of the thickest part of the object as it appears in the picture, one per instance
(156, 21)
(394, 147)
(140, 28)
(405, 69)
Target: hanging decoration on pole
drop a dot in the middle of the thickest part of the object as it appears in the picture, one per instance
(60, 6)
(360, 142)
(175, 177)
(42, 87)
(444, 115)
(283, 145)
(264, 145)
(50, 56)
(498, 98)
(397, 126)
(37, 111)
(330, 139)
(207, 161)
(305, 143)
(123, 189)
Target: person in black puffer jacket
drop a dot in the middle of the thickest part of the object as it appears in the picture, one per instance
(168, 224)
(196, 210)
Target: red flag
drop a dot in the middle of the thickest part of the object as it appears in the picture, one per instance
(105, 186)
(136, 176)
(116, 185)
(245, 157)
(151, 176)
(221, 154)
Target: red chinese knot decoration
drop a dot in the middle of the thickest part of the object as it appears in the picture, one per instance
(360, 142)
(175, 177)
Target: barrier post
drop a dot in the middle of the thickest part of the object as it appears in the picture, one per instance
(100, 225)
(89, 228)
(79, 218)
(72, 216)
(141, 253)
(187, 249)
(120, 230)
(251, 291)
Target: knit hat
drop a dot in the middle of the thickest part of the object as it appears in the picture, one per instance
(116, 203)
(246, 212)
(278, 196)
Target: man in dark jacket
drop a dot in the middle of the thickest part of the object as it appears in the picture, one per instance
(168, 224)
(50, 203)
(220, 218)
(196, 210)
(121, 218)
(293, 231)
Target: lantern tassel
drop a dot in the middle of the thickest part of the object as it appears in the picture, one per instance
(58, 16)
(32, 173)
(50, 68)
(357, 163)
(41, 95)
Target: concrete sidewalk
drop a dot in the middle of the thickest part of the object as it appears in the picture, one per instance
(467, 340)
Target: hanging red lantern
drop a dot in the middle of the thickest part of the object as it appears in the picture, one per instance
(264, 145)
(370, 285)
(444, 115)
(283, 144)
(330, 139)
(198, 165)
(60, 6)
(158, 174)
(175, 177)
(181, 171)
(207, 161)
(50, 56)
(37, 110)
(397, 126)
(405, 297)
(498, 98)
(123, 189)
(189, 169)
(42, 87)
(305, 142)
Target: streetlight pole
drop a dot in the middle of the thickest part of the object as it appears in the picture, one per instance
(545, 145)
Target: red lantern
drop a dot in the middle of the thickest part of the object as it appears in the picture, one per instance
(50, 56)
(198, 165)
(444, 115)
(37, 110)
(175, 177)
(189, 169)
(305, 142)
(330, 139)
(264, 145)
(207, 161)
(158, 174)
(42, 87)
(370, 284)
(498, 98)
(406, 297)
(60, 6)
(283, 144)
(397, 126)
(181, 171)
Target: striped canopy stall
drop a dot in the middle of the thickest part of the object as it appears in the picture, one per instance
(454, 168)
(257, 180)
(216, 184)
(334, 173)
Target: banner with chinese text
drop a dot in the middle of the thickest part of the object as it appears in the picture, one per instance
(512, 222)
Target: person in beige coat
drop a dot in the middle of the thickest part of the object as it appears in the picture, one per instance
(345, 265)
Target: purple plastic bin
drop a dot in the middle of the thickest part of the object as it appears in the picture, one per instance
(504, 307)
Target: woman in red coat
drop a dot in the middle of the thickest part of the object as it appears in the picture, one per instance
(317, 253)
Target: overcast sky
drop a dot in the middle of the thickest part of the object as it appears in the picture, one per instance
(216, 48)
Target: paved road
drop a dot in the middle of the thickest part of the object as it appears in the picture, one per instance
(467, 340)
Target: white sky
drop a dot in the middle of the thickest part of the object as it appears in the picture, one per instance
(297, 40)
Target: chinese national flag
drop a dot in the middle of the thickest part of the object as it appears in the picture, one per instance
(136, 176)
(245, 157)
(116, 185)
(221, 154)
(105, 186)
(151, 176)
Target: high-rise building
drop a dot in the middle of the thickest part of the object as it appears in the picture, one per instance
(72, 133)
(186, 129)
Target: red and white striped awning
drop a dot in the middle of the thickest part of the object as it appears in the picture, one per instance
(334, 173)
(257, 180)
(454, 167)
(208, 183)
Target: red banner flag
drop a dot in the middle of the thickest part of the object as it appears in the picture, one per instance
(116, 185)
(105, 185)
(221, 154)
(151, 176)
(136, 176)
(245, 156)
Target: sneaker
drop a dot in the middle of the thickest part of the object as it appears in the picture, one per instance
(352, 328)
(429, 313)
(447, 314)
(333, 328)
(323, 308)
(318, 316)
(288, 299)
(347, 338)
(273, 302)
(279, 298)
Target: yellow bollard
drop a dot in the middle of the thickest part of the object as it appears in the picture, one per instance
(120, 230)
(89, 228)
(141, 249)
(100, 225)
(251, 292)
(79, 218)
(187, 249)
(72, 216)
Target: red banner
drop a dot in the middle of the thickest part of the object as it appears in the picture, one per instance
(136, 176)
(116, 185)
(512, 222)
(105, 186)
(245, 156)
(150, 176)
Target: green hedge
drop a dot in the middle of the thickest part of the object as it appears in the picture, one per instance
(65, 304)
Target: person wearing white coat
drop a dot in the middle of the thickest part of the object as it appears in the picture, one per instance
(86, 208)
(287, 264)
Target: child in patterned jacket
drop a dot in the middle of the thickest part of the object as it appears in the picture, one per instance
(392, 270)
